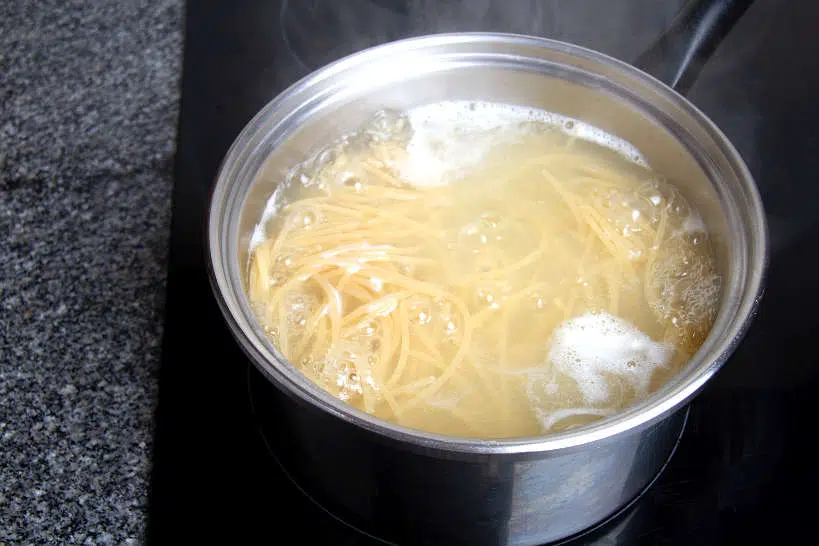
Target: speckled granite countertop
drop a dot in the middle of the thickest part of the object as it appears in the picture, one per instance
(89, 96)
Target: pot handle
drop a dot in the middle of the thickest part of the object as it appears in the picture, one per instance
(678, 56)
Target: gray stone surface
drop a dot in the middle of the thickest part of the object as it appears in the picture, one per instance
(89, 96)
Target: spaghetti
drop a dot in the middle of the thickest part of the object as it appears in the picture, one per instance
(440, 306)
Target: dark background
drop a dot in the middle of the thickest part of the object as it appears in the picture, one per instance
(745, 470)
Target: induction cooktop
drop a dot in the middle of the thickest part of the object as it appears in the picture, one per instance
(744, 471)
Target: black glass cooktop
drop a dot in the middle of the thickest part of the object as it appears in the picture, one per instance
(745, 471)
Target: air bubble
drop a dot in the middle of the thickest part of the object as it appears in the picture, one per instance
(538, 302)
(272, 332)
(368, 328)
(276, 278)
(326, 157)
(420, 311)
(350, 180)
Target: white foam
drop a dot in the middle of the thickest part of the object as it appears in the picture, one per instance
(257, 237)
(448, 137)
(451, 136)
(692, 223)
(271, 208)
(591, 345)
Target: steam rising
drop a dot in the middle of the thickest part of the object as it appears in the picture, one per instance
(317, 32)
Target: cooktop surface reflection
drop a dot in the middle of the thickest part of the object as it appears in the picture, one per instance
(743, 472)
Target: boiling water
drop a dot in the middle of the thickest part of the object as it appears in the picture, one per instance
(482, 270)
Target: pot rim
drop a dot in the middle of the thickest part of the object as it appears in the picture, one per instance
(666, 400)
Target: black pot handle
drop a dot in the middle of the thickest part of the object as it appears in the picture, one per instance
(677, 56)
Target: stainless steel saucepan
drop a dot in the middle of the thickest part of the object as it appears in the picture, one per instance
(408, 486)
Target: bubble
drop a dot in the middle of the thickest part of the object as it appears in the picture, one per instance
(272, 332)
(369, 328)
(420, 310)
(483, 298)
(693, 224)
(277, 277)
(538, 301)
(683, 287)
(388, 125)
(327, 156)
(349, 179)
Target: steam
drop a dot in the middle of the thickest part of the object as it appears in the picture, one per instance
(317, 32)
(729, 90)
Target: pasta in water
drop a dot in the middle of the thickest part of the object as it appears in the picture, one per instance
(482, 270)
